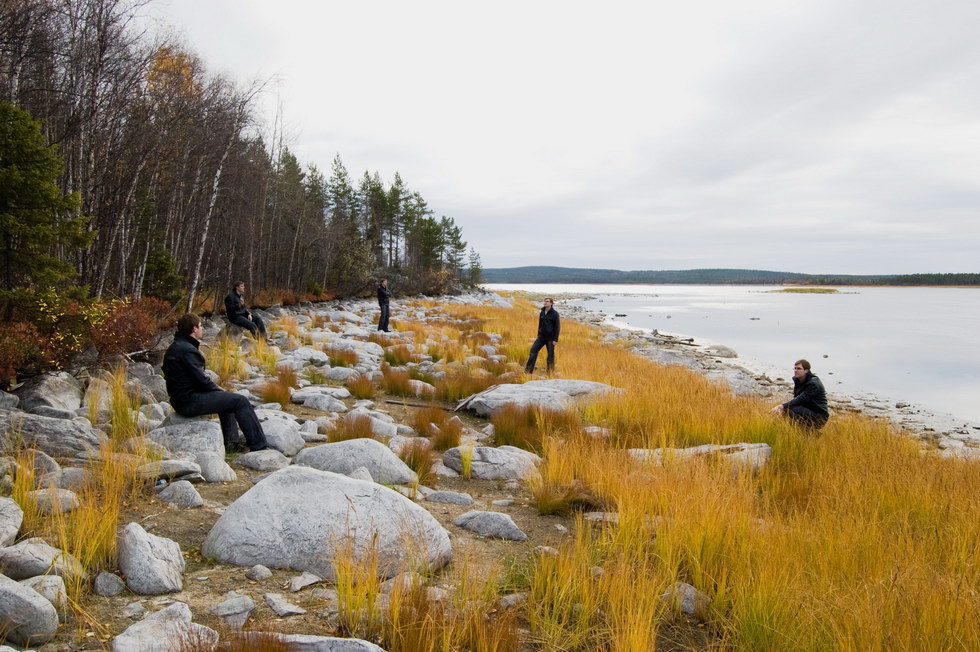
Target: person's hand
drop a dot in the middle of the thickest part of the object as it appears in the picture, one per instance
(777, 408)
(554, 343)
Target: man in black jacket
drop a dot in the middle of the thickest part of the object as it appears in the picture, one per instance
(384, 294)
(549, 326)
(238, 314)
(808, 407)
(192, 393)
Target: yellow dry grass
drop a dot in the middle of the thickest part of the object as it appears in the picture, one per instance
(850, 540)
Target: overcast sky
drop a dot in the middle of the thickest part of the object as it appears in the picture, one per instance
(810, 136)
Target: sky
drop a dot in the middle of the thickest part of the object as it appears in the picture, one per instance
(818, 136)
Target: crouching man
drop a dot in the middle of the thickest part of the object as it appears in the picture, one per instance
(192, 393)
(808, 407)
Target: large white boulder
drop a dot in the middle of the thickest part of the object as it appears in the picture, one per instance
(488, 463)
(300, 518)
(346, 456)
(28, 617)
(56, 437)
(556, 394)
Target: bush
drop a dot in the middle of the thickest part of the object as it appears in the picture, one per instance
(21, 349)
(526, 427)
(132, 325)
(360, 386)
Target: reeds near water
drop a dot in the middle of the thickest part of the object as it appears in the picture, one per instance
(851, 539)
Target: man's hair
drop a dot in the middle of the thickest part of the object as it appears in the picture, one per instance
(803, 363)
(188, 323)
(237, 283)
(550, 300)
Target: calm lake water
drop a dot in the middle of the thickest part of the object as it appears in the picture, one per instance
(917, 345)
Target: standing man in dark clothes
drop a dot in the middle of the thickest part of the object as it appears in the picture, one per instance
(548, 328)
(238, 314)
(384, 294)
(808, 407)
(192, 393)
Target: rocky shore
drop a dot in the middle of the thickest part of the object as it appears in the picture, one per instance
(952, 435)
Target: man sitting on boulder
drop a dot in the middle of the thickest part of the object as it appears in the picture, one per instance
(192, 393)
(238, 314)
(808, 407)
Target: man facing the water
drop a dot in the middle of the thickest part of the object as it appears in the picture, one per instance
(192, 393)
(548, 328)
(808, 407)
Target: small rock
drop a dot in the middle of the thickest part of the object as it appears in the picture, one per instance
(304, 580)
(235, 609)
(108, 584)
(258, 573)
(281, 606)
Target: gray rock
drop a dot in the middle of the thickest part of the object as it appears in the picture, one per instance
(166, 470)
(165, 631)
(235, 610)
(28, 617)
(281, 606)
(191, 436)
(8, 401)
(11, 518)
(275, 523)
(302, 581)
(505, 463)
(490, 524)
(56, 389)
(133, 610)
(310, 643)
(346, 456)
(56, 437)
(53, 412)
(214, 468)
(341, 373)
(554, 394)
(32, 557)
(267, 460)
(258, 573)
(512, 600)
(181, 494)
(54, 501)
(741, 457)
(451, 497)
(687, 599)
(71, 478)
(152, 565)
(52, 587)
(108, 584)
(283, 436)
(324, 403)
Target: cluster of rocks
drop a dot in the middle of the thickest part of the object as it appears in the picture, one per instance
(367, 498)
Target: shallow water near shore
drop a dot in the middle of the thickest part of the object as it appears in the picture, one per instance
(914, 345)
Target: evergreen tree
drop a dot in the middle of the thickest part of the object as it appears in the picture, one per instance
(34, 222)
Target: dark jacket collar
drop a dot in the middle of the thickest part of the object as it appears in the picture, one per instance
(186, 338)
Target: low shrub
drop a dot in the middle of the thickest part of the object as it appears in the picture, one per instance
(132, 325)
(287, 376)
(443, 431)
(275, 391)
(459, 383)
(526, 427)
(360, 386)
(352, 426)
(399, 354)
(340, 357)
(417, 455)
(21, 349)
(395, 381)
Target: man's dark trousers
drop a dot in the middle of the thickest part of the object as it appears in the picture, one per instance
(231, 408)
(806, 417)
(254, 325)
(383, 321)
(533, 358)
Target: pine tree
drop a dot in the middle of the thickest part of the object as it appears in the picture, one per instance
(33, 211)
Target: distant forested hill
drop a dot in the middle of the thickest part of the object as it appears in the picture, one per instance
(543, 274)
